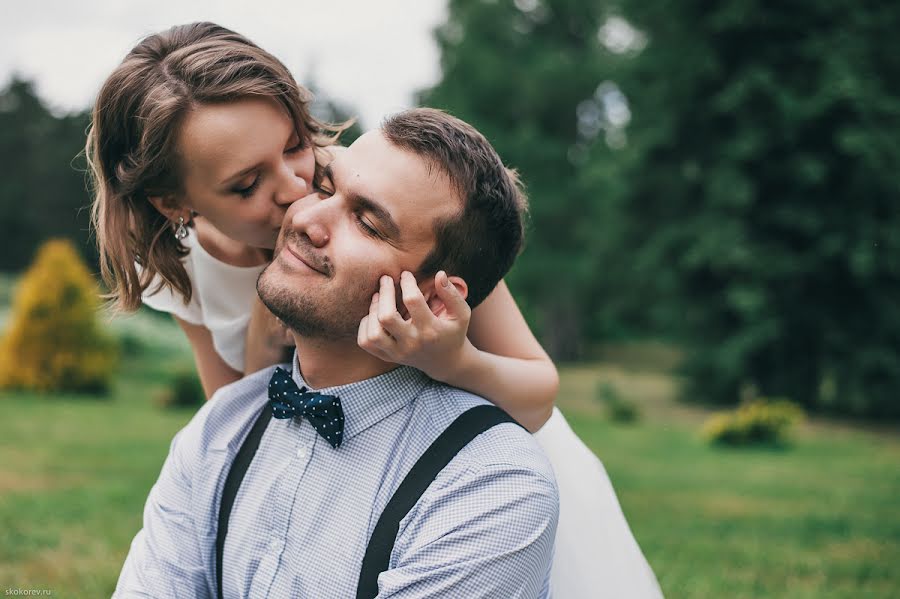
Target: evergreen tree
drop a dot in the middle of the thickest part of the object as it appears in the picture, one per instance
(763, 194)
(43, 194)
(723, 173)
(54, 341)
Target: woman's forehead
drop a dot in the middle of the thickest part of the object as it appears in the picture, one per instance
(220, 140)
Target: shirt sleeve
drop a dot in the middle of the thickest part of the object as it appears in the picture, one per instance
(165, 559)
(487, 534)
(165, 299)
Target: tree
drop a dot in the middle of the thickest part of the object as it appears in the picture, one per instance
(763, 194)
(722, 173)
(54, 341)
(43, 194)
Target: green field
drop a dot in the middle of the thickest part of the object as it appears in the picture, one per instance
(816, 519)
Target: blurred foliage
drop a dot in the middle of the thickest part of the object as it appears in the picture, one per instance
(184, 391)
(43, 192)
(518, 75)
(756, 422)
(54, 341)
(762, 199)
(618, 409)
(722, 174)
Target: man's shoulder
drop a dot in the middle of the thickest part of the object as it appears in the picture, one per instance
(489, 517)
(505, 446)
(231, 410)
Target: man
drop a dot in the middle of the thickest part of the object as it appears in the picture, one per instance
(424, 193)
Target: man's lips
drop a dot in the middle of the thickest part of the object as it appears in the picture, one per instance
(298, 257)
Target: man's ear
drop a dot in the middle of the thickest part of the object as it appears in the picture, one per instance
(443, 300)
(169, 206)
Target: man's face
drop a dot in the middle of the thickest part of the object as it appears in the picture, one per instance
(375, 215)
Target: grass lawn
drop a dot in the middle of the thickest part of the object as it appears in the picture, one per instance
(817, 519)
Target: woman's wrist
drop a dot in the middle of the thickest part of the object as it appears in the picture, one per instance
(459, 368)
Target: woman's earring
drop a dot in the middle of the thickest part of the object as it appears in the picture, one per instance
(181, 231)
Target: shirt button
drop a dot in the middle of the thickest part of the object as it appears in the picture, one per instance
(301, 453)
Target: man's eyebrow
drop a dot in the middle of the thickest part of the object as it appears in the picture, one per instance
(378, 211)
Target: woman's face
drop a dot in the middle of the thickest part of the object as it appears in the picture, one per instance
(243, 165)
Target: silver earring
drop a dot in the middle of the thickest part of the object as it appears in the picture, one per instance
(181, 231)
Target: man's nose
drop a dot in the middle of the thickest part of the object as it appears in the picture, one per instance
(311, 219)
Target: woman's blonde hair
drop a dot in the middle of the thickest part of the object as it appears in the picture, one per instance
(132, 148)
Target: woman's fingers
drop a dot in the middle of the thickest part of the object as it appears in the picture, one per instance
(387, 315)
(452, 298)
(412, 297)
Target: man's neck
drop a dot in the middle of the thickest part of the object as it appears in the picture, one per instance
(326, 363)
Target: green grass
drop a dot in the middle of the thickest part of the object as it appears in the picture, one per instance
(816, 519)
(75, 470)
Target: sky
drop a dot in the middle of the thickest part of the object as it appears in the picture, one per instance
(370, 56)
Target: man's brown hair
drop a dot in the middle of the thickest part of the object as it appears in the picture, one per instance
(481, 242)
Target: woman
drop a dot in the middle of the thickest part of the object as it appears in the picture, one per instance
(200, 141)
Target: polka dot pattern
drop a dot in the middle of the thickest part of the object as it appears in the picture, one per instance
(324, 412)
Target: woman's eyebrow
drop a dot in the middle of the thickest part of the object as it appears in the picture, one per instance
(240, 174)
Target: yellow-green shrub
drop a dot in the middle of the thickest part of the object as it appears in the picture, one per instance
(759, 421)
(54, 341)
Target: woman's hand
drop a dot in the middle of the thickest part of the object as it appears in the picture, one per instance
(430, 338)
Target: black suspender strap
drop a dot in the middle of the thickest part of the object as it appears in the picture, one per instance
(466, 427)
(233, 483)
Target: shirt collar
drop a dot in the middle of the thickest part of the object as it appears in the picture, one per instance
(370, 401)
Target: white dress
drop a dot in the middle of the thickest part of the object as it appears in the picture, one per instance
(595, 556)
(221, 300)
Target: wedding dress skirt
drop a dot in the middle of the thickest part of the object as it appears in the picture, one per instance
(596, 555)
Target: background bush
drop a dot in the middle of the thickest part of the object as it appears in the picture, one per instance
(184, 391)
(54, 341)
(756, 422)
(618, 409)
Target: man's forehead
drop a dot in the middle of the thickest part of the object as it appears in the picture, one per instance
(376, 167)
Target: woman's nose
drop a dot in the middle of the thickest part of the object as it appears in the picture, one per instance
(291, 186)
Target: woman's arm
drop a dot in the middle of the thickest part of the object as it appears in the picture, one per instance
(267, 339)
(505, 362)
(500, 359)
(214, 372)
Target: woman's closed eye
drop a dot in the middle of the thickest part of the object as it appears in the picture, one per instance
(247, 190)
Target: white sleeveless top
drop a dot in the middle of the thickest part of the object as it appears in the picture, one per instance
(222, 299)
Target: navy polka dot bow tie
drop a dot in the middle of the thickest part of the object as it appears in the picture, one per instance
(324, 412)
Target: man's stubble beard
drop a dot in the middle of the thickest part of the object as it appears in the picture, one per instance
(307, 316)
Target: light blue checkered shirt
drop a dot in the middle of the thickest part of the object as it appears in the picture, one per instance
(305, 511)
